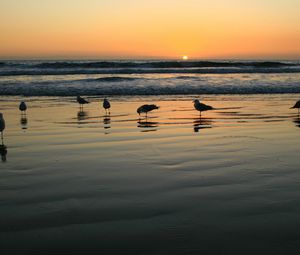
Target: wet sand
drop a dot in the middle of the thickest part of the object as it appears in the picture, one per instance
(88, 183)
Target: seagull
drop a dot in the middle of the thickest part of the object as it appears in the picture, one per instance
(146, 108)
(297, 105)
(106, 105)
(23, 107)
(201, 107)
(82, 101)
(2, 125)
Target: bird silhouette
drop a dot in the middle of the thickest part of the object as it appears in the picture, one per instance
(146, 108)
(201, 107)
(296, 106)
(23, 107)
(82, 101)
(106, 105)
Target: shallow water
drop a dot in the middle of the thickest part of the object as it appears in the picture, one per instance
(88, 183)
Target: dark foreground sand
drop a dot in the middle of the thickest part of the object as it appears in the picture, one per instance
(86, 183)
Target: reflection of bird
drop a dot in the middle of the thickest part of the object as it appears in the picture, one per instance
(81, 115)
(106, 122)
(23, 107)
(201, 107)
(146, 108)
(2, 125)
(3, 152)
(82, 101)
(297, 105)
(297, 121)
(147, 125)
(24, 122)
(106, 105)
(201, 124)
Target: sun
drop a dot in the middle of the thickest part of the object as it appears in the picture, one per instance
(185, 57)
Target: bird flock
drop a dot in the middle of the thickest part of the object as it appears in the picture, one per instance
(106, 105)
(143, 108)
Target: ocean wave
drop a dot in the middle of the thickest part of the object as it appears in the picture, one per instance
(48, 89)
(25, 78)
(214, 70)
(88, 67)
(187, 78)
(111, 79)
(160, 64)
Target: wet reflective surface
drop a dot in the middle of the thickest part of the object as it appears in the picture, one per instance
(90, 183)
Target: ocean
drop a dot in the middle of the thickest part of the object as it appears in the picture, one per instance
(70, 78)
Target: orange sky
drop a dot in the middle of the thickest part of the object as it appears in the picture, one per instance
(150, 29)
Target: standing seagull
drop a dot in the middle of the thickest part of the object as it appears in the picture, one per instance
(146, 108)
(201, 107)
(82, 101)
(23, 107)
(2, 126)
(106, 105)
(297, 105)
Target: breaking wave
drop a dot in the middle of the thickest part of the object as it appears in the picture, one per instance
(69, 78)
(10, 68)
(145, 85)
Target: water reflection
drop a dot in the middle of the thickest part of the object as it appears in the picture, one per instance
(146, 125)
(3, 152)
(82, 115)
(201, 123)
(297, 121)
(24, 122)
(106, 123)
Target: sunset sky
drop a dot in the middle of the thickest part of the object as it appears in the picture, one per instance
(149, 29)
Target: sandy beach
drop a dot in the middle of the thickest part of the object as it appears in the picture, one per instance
(86, 183)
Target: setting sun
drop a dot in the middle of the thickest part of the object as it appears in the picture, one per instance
(185, 57)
